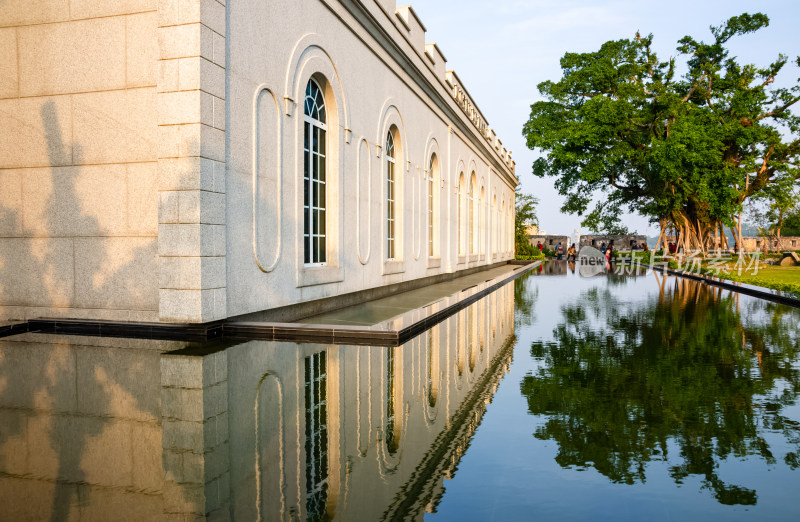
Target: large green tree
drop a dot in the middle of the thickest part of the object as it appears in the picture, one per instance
(686, 152)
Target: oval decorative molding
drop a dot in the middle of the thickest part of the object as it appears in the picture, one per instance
(263, 170)
(364, 182)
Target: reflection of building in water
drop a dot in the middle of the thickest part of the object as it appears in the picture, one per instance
(397, 419)
(81, 429)
(555, 267)
(101, 428)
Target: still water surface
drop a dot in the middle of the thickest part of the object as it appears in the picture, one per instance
(558, 397)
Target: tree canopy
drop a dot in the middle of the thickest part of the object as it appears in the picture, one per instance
(686, 151)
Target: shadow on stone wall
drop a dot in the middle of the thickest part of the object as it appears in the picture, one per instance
(68, 265)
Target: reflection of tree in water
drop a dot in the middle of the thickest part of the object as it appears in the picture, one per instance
(525, 296)
(624, 383)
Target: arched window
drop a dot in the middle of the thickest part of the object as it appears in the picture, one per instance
(471, 213)
(314, 144)
(502, 226)
(462, 241)
(493, 225)
(390, 197)
(482, 221)
(433, 166)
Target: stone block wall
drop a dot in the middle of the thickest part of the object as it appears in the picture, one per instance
(620, 242)
(191, 160)
(78, 159)
(550, 241)
(772, 244)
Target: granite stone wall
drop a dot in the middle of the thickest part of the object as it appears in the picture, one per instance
(78, 159)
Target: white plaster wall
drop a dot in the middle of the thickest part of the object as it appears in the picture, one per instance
(275, 46)
(78, 200)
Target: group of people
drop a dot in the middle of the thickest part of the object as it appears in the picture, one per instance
(607, 250)
(559, 251)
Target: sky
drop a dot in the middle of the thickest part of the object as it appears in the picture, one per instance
(502, 49)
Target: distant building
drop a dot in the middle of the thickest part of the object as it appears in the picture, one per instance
(772, 244)
(550, 241)
(619, 242)
(532, 230)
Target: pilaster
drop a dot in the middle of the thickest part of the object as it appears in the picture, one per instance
(191, 160)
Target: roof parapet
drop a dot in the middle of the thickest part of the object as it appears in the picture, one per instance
(416, 30)
(406, 19)
(436, 59)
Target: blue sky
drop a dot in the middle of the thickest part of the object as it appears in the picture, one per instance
(502, 49)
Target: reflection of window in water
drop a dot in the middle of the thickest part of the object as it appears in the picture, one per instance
(316, 375)
(392, 438)
(481, 324)
(460, 343)
(433, 368)
(471, 337)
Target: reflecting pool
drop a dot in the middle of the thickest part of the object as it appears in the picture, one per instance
(555, 397)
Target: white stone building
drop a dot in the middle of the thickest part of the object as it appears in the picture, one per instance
(155, 158)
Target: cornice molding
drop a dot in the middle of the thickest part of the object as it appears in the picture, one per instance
(381, 36)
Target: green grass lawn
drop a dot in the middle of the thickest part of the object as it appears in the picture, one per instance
(777, 277)
(784, 278)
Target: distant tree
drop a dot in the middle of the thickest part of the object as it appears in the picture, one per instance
(791, 224)
(525, 215)
(778, 202)
(685, 152)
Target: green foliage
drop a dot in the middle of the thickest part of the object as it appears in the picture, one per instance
(791, 225)
(621, 127)
(780, 202)
(524, 215)
(683, 375)
(532, 255)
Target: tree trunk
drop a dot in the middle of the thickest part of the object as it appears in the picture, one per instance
(663, 223)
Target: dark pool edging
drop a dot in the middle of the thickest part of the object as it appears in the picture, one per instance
(14, 329)
(742, 288)
(267, 331)
(301, 332)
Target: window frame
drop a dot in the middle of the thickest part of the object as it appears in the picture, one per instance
(431, 182)
(391, 198)
(315, 217)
